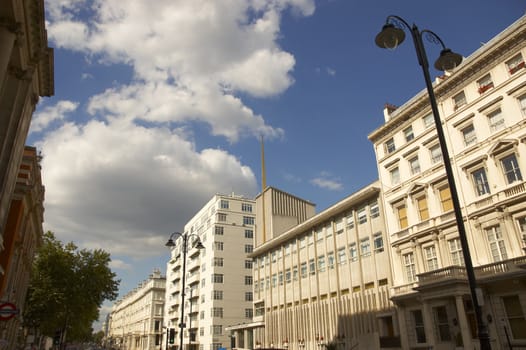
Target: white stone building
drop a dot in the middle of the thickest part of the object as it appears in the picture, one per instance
(321, 278)
(482, 104)
(136, 320)
(218, 277)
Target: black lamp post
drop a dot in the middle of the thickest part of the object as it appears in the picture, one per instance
(184, 247)
(390, 37)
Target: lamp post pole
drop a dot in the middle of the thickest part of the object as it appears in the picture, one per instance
(447, 60)
(184, 246)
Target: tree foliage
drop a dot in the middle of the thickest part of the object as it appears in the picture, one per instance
(67, 288)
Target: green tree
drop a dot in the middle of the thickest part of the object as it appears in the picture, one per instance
(67, 288)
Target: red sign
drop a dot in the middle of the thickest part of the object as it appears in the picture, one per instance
(7, 311)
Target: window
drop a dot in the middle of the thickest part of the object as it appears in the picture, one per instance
(378, 242)
(395, 176)
(217, 278)
(214, 346)
(217, 312)
(511, 169)
(468, 133)
(429, 120)
(217, 295)
(246, 207)
(459, 100)
(219, 230)
(423, 211)
(480, 181)
(496, 243)
(330, 260)
(202, 317)
(288, 276)
(353, 253)
(436, 154)
(248, 248)
(365, 247)
(390, 146)
(221, 217)
(418, 321)
(216, 329)
(410, 268)
(342, 257)
(375, 210)
(249, 296)
(414, 165)
(224, 204)
(274, 280)
(248, 280)
(321, 263)
(248, 264)
(248, 220)
(496, 120)
(249, 234)
(218, 245)
(455, 249)
(445, 198)
(485, 83)
(515, 316)
(515, 64)
(218, 261)
(362, 216)
(249, 313)
(442, 323)
(401, 211)
(522, 104)
(303, 269)
(431, 258)
(350, 220)
(312, 267)
(408, 133)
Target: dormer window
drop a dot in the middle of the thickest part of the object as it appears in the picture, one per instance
(485, 83)
(515, 64)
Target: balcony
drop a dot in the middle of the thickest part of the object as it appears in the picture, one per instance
(498, 197)
(483, 273)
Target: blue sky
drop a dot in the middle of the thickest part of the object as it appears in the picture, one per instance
(160, 105)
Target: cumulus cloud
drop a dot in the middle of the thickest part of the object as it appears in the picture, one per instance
(44, 117)
(326, 181)
(120, 167)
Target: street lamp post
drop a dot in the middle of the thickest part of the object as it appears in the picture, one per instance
(184, 247)
(390, 37)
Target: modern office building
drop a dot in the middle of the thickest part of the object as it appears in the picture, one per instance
(482, 104)
(320, 279)
(218, 278)
(136, 320)
(26, 73)
(22, 237)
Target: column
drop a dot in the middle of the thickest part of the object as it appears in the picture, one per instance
(463, 323)
(428, 324)
(8, 31)
(403, 328)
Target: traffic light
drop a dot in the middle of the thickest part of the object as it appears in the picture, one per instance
(56, 338)
(171, 338)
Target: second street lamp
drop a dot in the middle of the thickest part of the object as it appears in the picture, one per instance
(185, 238)
(390, 37)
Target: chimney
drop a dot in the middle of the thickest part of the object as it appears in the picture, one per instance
(388, 109)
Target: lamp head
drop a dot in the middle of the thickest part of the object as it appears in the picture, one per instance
(170, 243)
(448, 60)
(198, 244)
(390, 37)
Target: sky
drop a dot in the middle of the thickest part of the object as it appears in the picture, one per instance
(161, 104)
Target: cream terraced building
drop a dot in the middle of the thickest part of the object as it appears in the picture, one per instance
(320, 278)
(136, 320)
(482, 104)
(218, 278)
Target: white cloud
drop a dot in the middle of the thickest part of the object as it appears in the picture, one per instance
(119, 264)
(326, 181)
(43, 118)
(120, 186)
